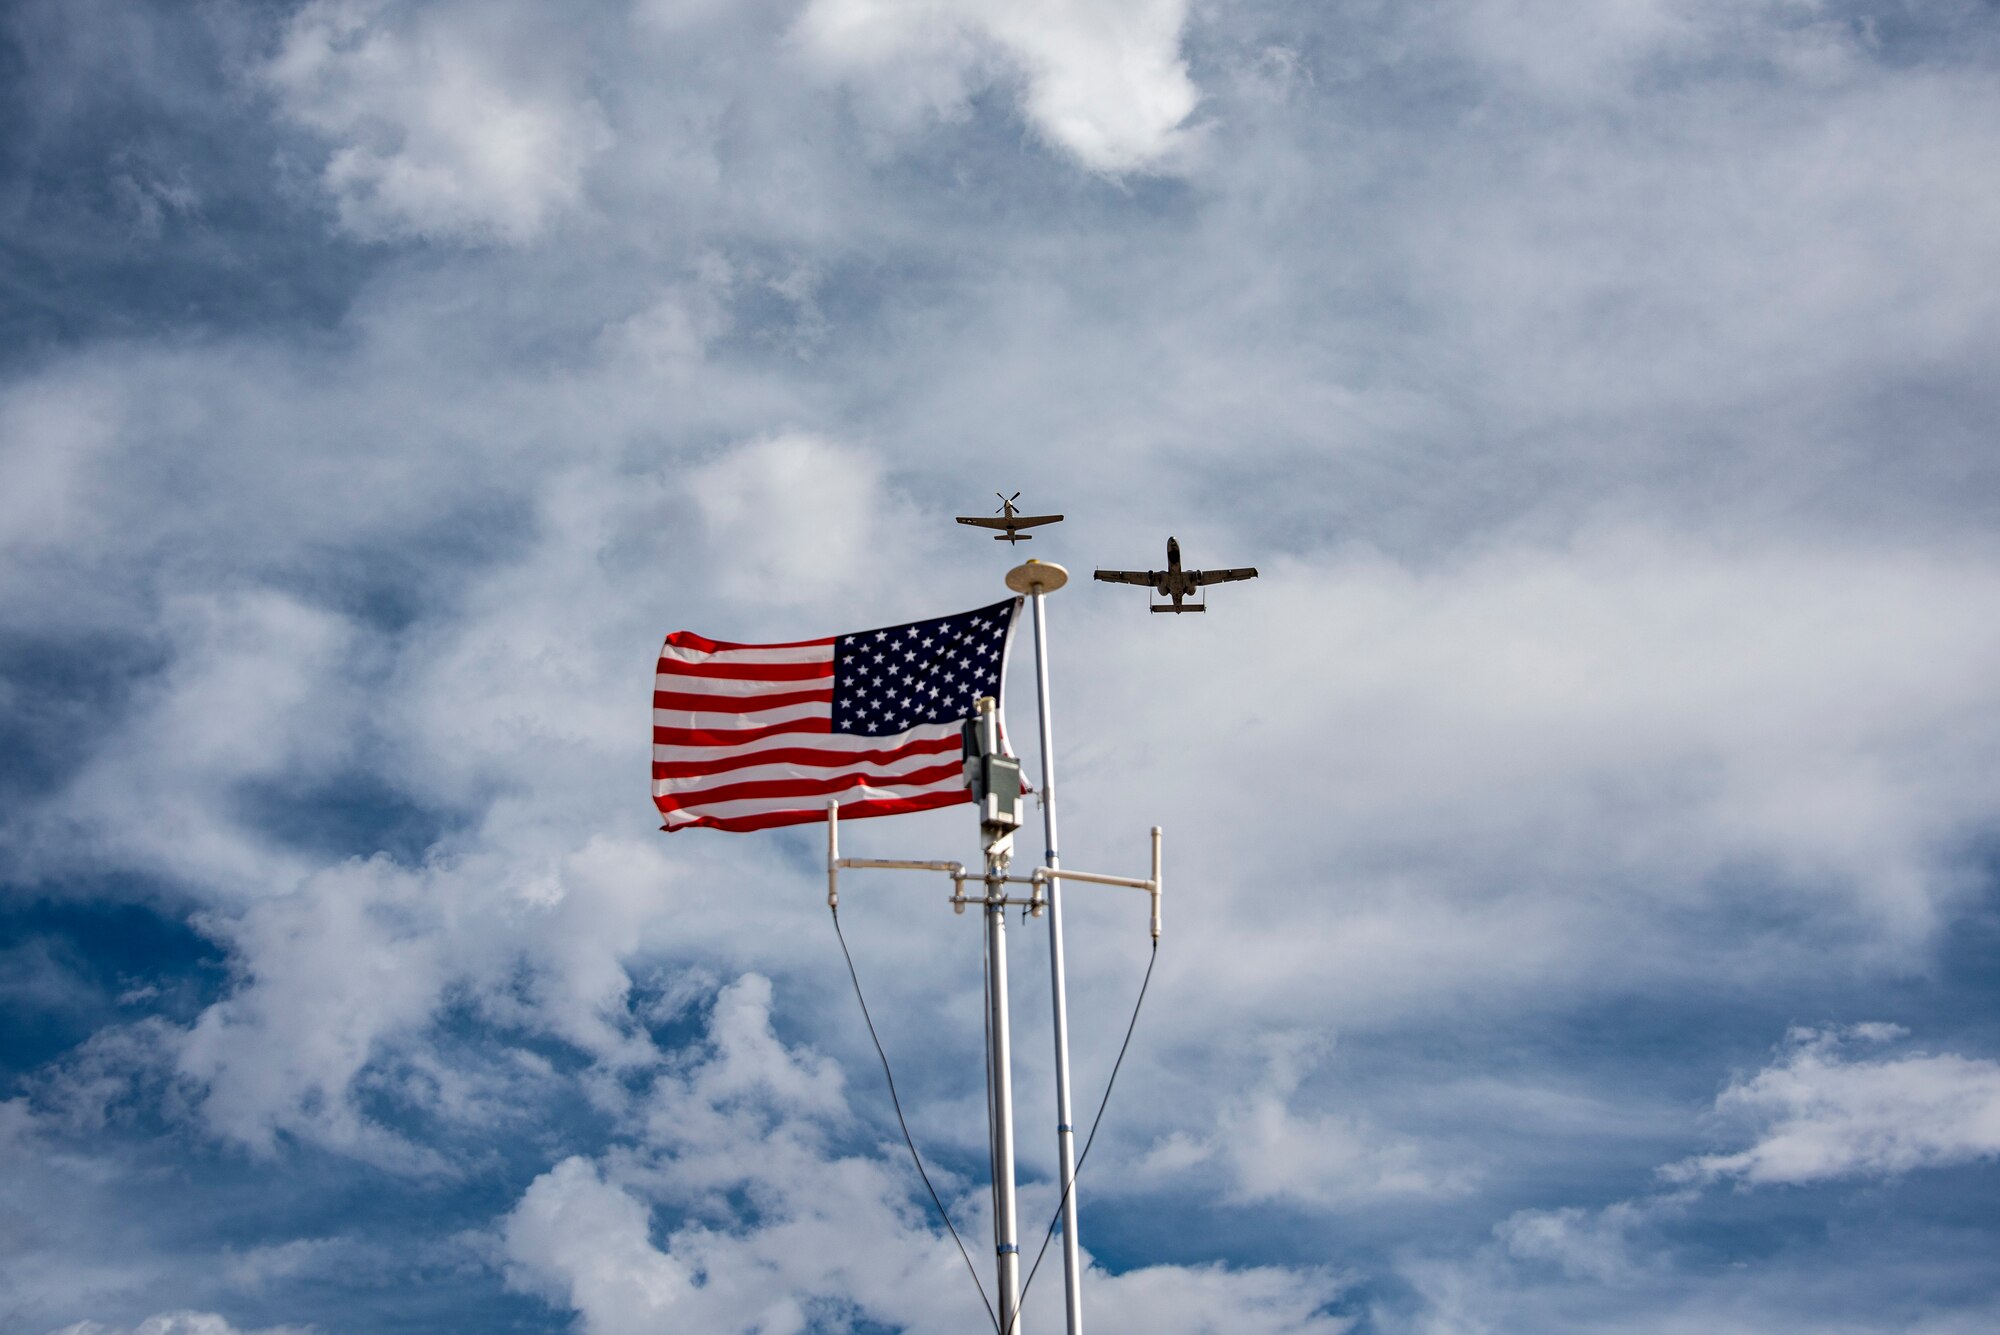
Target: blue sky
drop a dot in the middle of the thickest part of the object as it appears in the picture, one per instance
(1582, 844)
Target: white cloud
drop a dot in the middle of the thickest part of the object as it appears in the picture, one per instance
(331, 971)
(1614, 735)
(1104, 81)
(1210, 1299)
(795, 512)
(1820, 1114)
(62, 1255)
(338, 983)
(584, 1244)
(49, 441)
(445, 123)
(826, 1231)
(1725, 238)
(1326, 1161)
(672, 335)
(179, 1323)
(339, 968)
(1568, 52)
(1493, 1294)
(1595, 1245)
(260, 688)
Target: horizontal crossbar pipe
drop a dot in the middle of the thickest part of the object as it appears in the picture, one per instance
(834, 862)
(1095, 878)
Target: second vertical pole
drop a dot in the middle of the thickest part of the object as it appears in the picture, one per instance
(1058, 979)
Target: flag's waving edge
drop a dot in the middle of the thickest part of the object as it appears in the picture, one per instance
(748, 736)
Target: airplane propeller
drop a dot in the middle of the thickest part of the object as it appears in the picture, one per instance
(1006, 501)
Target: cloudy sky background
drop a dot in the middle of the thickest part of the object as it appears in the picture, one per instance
(1584, 873)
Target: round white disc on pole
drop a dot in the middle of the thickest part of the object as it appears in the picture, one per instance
(1037, 577)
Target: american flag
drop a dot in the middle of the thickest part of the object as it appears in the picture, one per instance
(747, 736)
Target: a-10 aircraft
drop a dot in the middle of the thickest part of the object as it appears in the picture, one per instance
(1175, 582)
(1008, 518)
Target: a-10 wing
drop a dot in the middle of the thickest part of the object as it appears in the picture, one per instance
(1147, 577)
(1224, 576)
(1018, 521)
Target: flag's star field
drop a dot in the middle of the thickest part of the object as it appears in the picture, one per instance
(894, 678)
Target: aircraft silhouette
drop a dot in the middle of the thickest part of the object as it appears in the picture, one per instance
(1010, 519)
(1174, 582)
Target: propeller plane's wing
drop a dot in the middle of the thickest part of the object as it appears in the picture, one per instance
(1146, 577)
(1224, 576)
(1017, 521)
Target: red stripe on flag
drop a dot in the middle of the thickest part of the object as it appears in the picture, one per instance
(789, 788)
(736, 736)
(889, 806)
(687, 639)
(740, 704)
(747, 671)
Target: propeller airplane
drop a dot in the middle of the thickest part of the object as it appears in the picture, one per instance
(1174, 582)
(1010, 519)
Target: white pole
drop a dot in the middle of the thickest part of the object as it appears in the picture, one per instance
(1006, 1239)
(1059, 994)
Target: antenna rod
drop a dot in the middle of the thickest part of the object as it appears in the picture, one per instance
(1058, 980)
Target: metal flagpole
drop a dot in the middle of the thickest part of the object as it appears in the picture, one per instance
(994, 778)
(1000, 1065)
(1035, 579)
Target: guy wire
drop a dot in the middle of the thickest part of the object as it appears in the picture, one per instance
(918, 1158)
(1087, 1140)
